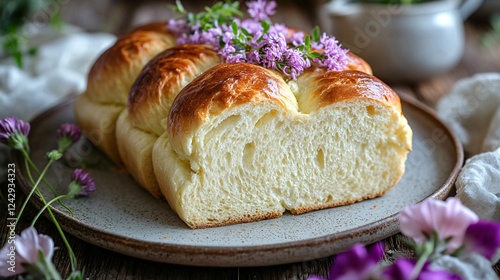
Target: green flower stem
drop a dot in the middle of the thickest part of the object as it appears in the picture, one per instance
(35, 186)
(28, 159)
(72, 256)
(45, 207)
(428, 250)
(42, 269)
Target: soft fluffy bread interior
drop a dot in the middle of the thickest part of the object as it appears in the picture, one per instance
(244, 161)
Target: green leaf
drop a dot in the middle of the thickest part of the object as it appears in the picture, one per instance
(265, 26)
(245, 32)
(307, 43)
(315, 34)
(234, 26)
(314, 55)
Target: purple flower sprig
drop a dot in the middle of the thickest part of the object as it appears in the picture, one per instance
(203, 27)
(256, 40)
(82, 185)
(14, 133)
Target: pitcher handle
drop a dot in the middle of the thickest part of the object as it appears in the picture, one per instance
(467, 7)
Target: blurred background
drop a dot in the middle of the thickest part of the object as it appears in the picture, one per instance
(118, 16)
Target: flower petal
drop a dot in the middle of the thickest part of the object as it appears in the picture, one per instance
(449, 219)
(46, 246)
(483, 238)
(356, 263)
(401, 269)
(27, 245)
(10, 263)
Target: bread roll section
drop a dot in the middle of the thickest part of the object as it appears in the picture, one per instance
(150, 99)
(241, 146)
(108, 86)
(226, 143)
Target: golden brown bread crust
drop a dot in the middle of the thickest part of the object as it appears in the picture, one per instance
(215, 91)
(113, 73)
(232, 221)
(224, 86)
(357, 63)
(109, 82)
(162, 78)
(335, 86)
(160, 27)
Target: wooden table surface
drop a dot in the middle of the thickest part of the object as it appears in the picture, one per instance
(103, 264)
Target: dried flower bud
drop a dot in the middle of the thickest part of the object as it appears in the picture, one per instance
(81, 183)
(14, 133)
(67, 134)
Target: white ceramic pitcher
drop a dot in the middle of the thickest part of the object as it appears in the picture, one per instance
(403, 42)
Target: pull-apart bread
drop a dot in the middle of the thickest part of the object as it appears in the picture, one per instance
(227, 143)
(109, 82)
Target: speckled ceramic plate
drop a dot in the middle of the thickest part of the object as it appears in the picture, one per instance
(122, 217)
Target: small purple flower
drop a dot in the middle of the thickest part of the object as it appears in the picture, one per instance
(178, 26)
(69, 130)
(81, 183)
(278, 28)
(359, 263)
(272, 52)
(14, 133)
(334, 57)
(296, 62)
(297, 39)
(483, 238)
(227, 51)
(261, 9)
(252, 26)
(253, 57)
(27, 248)
(67, 135)
(402, 269)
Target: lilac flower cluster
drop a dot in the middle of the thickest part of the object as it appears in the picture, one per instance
(257, 41)
(437, 228)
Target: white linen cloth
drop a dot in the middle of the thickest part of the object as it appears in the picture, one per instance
(472, 111)
(478, 184)
(58, 69)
